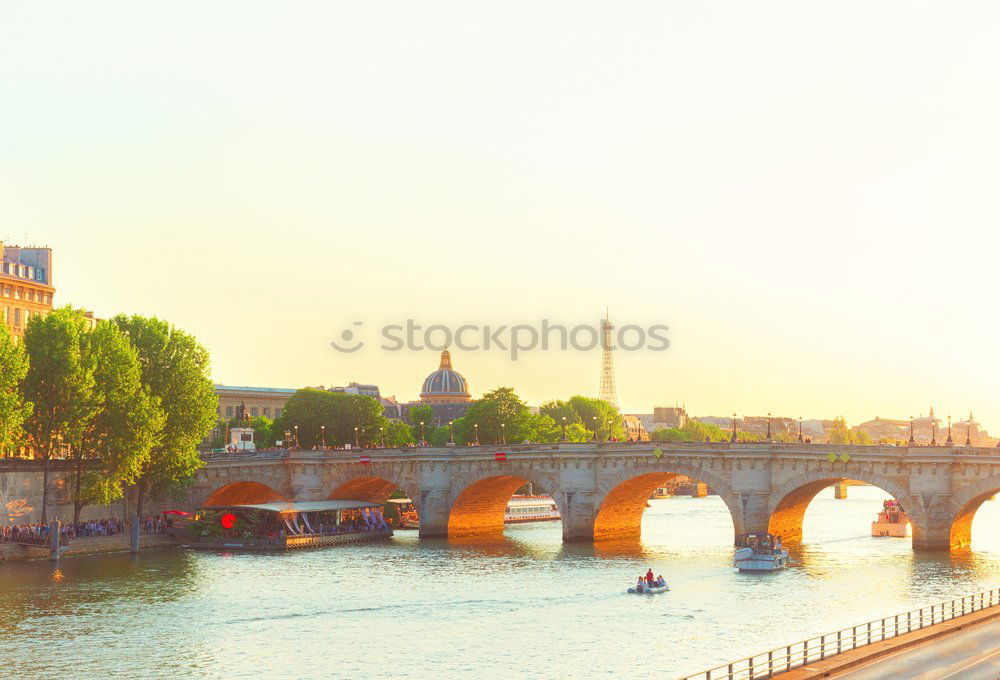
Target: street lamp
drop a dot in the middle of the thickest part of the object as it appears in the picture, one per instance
(733, 438)
(503, 429)
(451, 432)
(594, 419)
(912, 439)
(800, 428)
(382, 437)
(564, 428)
(363, 439)
(475, 426)
(768, 426)
(322, 434)
(296, 436)
(423, 439)
(950, 441)
(356, 442)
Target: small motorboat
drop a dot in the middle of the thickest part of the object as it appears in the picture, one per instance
(761, 552)
(648, 590)
(892, 521)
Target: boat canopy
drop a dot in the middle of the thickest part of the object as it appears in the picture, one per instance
(288, 507)
(399, 501)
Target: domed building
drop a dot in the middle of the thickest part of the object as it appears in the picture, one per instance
(446, 391)
(445, 384)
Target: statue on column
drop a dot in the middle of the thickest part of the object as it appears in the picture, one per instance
(242, 416)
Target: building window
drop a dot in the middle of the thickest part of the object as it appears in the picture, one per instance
(229, 411)
(17, 318)
(253, 411)
(267, 411)
(277, 413)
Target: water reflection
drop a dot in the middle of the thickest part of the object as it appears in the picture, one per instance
(524, 602)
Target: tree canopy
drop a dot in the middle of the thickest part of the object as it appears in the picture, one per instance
(14, 410)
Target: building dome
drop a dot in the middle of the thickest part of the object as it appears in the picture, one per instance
(445, 384)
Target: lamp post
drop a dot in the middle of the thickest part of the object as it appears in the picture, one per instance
(933, 431)
(296, 436)
(362, 447)
(475, 426)
(768, 426)
(451, 432)
(732, 439)
(356, 441)
(594, 419)
(800, 428)
(968, 430)
(503, 430)
(564, 428)
(423, 439)
(949, 441)
(322, 434)
(912, 440)
(382, 437)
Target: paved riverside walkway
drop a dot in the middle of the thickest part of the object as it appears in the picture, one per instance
(93, 545)
(964, 648)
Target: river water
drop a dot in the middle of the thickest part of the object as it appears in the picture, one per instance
(525, 606)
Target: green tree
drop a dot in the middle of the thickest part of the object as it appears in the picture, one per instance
(118, 439)
(398, 433)
(14, 410)
(176, 373)
(339, 413)
(839, 433)
(60, 384)
(599, 413)
(421, 413)
(557, 409)
(498, 410)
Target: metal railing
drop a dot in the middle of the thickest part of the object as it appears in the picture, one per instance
(782, 659)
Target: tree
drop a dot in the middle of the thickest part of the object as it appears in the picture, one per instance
(398, 433)
(118, 439)
(503, 407)
(839, 433)
(339, 413)
(14, 410)
(175, 371)
(608, 421)
(557, 409)
(421, 413)
(60, 384)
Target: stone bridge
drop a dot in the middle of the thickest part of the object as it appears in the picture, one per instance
(601, 489)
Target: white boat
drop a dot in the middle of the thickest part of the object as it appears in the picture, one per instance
(531, 509)
(761, 552)
(892, 521)
(647, 590)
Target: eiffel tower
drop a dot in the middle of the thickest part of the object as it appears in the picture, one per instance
(608, 392)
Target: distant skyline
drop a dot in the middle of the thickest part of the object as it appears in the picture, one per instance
(806, 195)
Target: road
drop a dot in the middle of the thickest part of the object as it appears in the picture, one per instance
(971, 654)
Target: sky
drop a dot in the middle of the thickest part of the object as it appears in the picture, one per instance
(805, 194)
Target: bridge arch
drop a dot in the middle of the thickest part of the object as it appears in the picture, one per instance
(372, 485)
(621, 498)
(965, 505)
(787, 504)
(480, 499)
(242, 493)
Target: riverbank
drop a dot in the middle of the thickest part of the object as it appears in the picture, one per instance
(11, 552)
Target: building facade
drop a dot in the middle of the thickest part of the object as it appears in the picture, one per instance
(446, 391)
(261, 401)
(25, 285)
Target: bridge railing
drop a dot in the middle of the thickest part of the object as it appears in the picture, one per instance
(770, 663)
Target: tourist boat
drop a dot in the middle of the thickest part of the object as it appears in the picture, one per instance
(286, 525)
(760, 552)
(531, 509)
(519, 509)
(892, 521)
(648, 590)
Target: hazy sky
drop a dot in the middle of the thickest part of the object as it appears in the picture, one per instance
(805, 193)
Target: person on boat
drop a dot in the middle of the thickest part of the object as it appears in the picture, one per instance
(649, 578)
(660, 581)
(641, 584)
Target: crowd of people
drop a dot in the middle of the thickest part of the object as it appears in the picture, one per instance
(39, 533)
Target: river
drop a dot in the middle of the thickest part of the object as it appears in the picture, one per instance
(525, 606)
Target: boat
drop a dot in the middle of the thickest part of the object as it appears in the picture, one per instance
(892, 521)
(286, 525)
(520, 508)
(541, 508)
(648, 590)
(760, 552)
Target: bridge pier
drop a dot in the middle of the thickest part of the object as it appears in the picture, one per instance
(840, 490)
(698, 489)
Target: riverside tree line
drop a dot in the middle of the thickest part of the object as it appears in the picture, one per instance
(128, 400)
